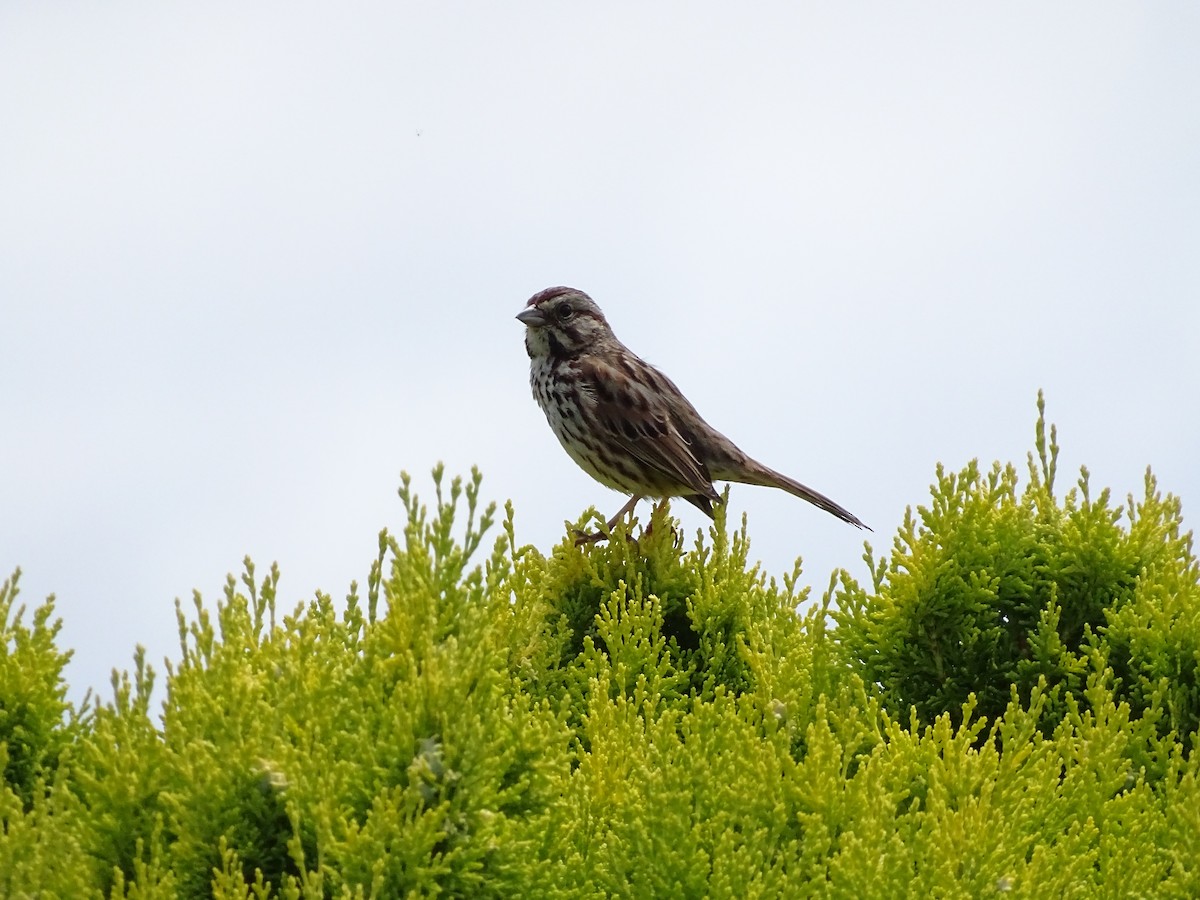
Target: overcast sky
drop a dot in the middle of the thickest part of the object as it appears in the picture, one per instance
(256, 259)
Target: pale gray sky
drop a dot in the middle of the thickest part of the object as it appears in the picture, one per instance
(258, 258)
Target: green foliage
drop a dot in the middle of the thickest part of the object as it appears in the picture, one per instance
(1009, 708)
(33, 706)
(989, 588)
(40, 819)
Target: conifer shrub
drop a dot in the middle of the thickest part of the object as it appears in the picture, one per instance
(35, 726)
(991, 589)
(1009, 708)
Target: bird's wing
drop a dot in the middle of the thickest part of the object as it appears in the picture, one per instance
(631, 405)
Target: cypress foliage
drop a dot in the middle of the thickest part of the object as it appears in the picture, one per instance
(1009, 707)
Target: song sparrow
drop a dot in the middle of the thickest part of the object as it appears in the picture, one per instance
(623, 421)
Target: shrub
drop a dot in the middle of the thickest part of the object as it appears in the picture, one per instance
(1010, 707)
(990, 589)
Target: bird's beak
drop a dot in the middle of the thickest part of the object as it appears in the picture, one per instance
(534, 318)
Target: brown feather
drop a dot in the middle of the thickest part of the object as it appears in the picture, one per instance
(640, 422)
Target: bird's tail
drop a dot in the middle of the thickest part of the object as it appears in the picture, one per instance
(756, 473)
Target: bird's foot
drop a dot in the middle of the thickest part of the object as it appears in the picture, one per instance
(676, 536)
(595, 537)
(660, 511)
(582, 537)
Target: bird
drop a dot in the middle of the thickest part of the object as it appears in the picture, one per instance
(624, 422)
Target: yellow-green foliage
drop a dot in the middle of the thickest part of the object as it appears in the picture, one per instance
(989, 589)
(1009, 709)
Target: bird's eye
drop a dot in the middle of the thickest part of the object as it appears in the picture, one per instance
(565, 311)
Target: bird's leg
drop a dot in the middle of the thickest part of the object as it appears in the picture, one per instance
(624, 511)
(581, 538)
(676, 535)
(657, 509)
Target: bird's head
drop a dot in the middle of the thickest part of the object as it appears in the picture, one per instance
(562, 322)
